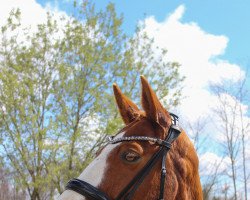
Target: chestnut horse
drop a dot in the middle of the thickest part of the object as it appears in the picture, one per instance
(150, 158)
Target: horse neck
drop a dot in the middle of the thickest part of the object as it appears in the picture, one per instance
(184, 170)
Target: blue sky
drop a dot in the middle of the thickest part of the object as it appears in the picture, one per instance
(224, 17)
(210, 39)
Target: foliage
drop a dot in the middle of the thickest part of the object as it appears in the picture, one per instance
(56, 100)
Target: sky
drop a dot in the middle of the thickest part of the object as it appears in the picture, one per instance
(229, 18)
(210, 39)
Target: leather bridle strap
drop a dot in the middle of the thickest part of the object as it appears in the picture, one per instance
(127, 192)
(174, 132)
(85, 189)
(163, 175)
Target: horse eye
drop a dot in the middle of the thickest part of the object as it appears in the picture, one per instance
(130, 156)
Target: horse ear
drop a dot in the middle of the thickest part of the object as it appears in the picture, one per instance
(152, 106)
(128, 110)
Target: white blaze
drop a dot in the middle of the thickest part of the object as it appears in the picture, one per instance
(94, 173)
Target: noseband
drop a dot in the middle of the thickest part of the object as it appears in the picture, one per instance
(127, 193)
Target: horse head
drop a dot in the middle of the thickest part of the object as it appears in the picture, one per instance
(150, 158)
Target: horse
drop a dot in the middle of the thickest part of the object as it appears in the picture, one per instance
(150, 158)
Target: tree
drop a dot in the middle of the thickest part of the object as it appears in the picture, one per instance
(210, 173)
(8, 190)
(196, 131)
(244, 129)
(55, 97)
(234, 126)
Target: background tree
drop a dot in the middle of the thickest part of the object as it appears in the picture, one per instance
(8, 188)
(210, 173)
(234, 128)
(55, 98)
(243, 95)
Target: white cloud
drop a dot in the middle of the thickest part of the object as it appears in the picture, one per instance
(32, 12)
(197, 51)
(233, 110)
(211, 163)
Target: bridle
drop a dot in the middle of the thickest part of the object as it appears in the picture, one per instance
(127, 193)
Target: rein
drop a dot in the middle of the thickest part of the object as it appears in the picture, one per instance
(127, 193)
